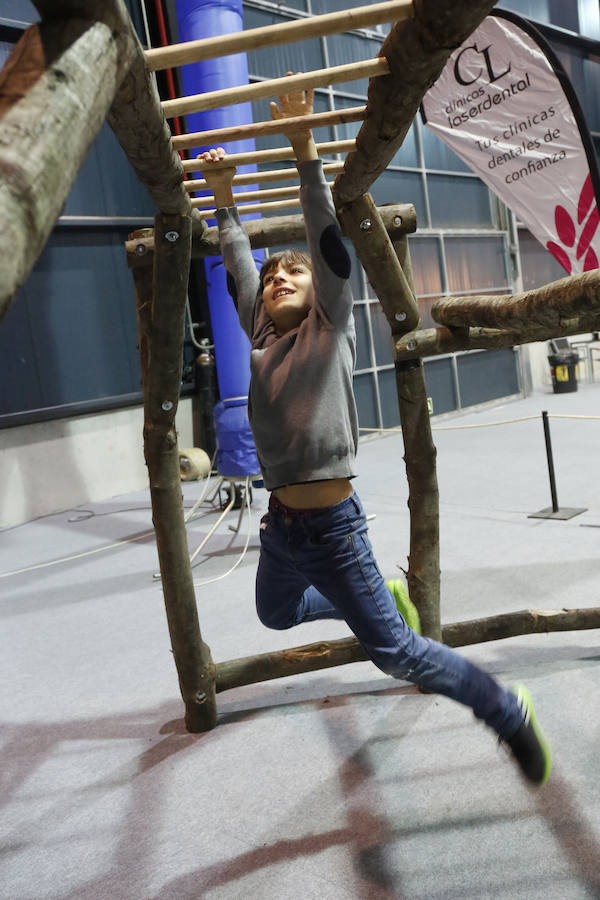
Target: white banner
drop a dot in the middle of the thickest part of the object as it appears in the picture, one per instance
(502, 108)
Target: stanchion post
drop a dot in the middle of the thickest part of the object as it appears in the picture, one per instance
(548, 442)
(554, 511)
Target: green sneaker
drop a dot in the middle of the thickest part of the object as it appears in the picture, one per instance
(404, 604)
(530, 746)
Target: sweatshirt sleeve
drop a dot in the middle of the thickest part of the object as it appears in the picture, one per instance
(330, 260)
(242, 275)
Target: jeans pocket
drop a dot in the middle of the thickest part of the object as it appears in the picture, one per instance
(331, 533)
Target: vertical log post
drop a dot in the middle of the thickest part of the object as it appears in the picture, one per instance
(389, 271)
(160, 297)
(420, 459)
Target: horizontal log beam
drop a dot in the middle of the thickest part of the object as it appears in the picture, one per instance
(262, 129)
(281, 33)
(325, 654)
(436, 341)
(276, 154)
(575, 295)
(269, 232)
(199, 184)
(417, 50)
(275, 87)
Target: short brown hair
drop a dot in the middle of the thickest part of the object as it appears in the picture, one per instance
(285, 258)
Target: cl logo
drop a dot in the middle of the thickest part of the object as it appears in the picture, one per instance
(492, 76)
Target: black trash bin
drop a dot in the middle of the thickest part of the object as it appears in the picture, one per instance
(563, 369)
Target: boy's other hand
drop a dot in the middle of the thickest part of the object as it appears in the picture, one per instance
(298, 103)
(220, 178)
(292, 105)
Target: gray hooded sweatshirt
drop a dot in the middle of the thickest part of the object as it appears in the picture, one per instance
(301, 403)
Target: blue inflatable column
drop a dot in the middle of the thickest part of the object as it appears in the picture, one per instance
(201, 19)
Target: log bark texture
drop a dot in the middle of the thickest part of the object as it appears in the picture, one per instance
(161, 309)
(55, 90)
(423, 501)
(325, 654)
(139, 124)
(417, 50)
(269, 232)
(136, 114)
(420, 460)
(545, 307)
(364, 226)
(434, 341)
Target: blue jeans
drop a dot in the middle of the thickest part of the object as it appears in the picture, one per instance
(319, 564)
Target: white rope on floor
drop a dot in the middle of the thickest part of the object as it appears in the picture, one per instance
(483, 424)
(64, 559)
(243, 553)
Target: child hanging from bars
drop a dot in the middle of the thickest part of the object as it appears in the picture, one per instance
(316, 559)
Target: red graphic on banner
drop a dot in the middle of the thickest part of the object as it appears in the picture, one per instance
(566, 231)
(586, 198)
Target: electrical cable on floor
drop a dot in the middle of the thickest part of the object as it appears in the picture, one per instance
(63, 559)
(237, 563)
(146, 534)
(113, 546)
(139, 537)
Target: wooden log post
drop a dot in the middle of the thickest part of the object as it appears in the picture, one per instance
(382, 261)
(136, 114)
(417, 50)
(420, 458)
(161, 309)
(139, 124)
(55, 90)
(364, 226)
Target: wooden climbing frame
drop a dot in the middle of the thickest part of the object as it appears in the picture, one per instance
(83, 64)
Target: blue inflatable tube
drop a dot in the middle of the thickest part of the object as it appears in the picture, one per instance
(200, 19)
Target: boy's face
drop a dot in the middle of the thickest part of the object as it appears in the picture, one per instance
(288, 295)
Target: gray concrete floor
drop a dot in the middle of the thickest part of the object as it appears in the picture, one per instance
(337, 784)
